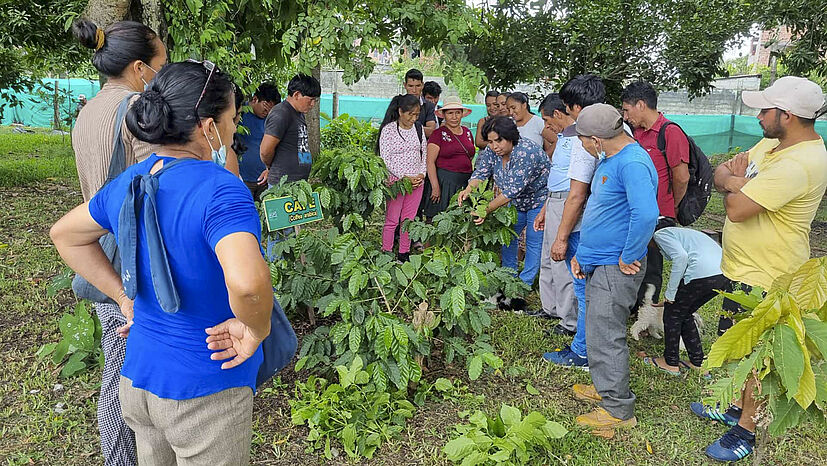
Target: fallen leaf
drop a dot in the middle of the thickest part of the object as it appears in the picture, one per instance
(649, 447)
(530, 389)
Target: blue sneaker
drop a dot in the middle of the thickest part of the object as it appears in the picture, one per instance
(567, 358)
(731, 446)
(713, 414)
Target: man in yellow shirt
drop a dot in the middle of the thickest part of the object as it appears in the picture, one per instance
(771, 194)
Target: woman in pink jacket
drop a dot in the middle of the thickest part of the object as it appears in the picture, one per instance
(403, 146)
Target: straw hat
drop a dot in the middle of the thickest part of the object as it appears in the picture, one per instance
(453, 103)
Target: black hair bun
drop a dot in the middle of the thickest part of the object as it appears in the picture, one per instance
(86, 32)
(150, 118)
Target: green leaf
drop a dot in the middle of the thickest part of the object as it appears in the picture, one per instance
(457, 301)
(510, 415)
(530, 389)
(786, 414)
(554, 430)
(459, 448)
(809, 284)
(74, 365)
(46, 350)
(739, 340)
(472, 280)
(816, 331)
(789, 360)
(475, 368)
(355, 339)
(60, 352)
(348, 437)
(443, 385)
(400, 277)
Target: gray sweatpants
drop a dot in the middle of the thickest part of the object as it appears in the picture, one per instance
(117, 439)
(609, 295)
(556, 289)
(208, 430)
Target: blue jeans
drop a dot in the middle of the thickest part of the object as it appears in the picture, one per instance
(270, 253)
(533, 246)
(578, 345)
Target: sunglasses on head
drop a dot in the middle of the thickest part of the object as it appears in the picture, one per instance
(210, 68)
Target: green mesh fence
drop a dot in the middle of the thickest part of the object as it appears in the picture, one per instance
(713, 133)
(37, 108)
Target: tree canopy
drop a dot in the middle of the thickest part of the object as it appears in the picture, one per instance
(671, 43)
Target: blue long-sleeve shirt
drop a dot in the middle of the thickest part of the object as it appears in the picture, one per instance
(622, 210)
(693, 255)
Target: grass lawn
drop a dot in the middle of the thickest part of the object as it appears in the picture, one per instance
(38, 184)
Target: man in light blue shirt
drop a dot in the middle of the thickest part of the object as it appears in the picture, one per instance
(556, 291)
(695, 275)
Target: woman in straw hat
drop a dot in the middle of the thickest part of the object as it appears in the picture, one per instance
(450, 151)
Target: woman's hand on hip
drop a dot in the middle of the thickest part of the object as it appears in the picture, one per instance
(126, 306)
(232, 340)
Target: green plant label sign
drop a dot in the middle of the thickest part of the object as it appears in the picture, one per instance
(286, 212)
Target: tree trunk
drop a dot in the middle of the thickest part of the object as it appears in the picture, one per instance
(106, 12)
(152, 14)
(313, 121)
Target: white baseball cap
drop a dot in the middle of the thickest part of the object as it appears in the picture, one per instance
(799, 96)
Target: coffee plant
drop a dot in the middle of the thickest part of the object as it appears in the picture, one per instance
(455, 229)
(782, 344)
(345, 131)
(508, 438)
(355, 411)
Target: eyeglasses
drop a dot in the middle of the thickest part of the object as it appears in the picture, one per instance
(211, 69)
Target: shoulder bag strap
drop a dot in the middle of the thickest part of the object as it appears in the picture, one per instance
(117, 163)
(662, 148)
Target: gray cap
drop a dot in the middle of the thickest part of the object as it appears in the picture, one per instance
(599, 120)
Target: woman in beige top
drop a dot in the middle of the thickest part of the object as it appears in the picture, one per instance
(127, 54)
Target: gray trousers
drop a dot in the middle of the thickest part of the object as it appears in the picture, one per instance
(117, 439)
(556, 289)
(609, 295)
(208, 430)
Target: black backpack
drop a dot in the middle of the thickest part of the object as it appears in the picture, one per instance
(699, 189)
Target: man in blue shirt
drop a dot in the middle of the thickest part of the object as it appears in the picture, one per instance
(251, 168)
(618, 222)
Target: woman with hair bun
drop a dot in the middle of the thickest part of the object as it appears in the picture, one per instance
(127, 54)
(189, 236)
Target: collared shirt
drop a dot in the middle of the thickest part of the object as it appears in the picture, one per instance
(693, 255)
(558, 175)
(789, 184)
(522, 179)
(677, 150)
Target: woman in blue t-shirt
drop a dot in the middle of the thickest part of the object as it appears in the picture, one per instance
(194, 287)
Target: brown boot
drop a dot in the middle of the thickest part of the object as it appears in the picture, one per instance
(601, 419)
(586, 393)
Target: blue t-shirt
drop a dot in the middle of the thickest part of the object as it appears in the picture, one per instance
(558, 175)
(251, 166)
(622, 210)
(198, 204)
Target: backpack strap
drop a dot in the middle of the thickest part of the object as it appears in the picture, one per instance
(662, 148)
(141, 195)
(117, 164)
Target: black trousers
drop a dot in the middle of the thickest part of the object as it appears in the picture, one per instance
(678, 321)
(731, 307)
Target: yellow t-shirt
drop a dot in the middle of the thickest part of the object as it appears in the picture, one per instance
(789, 184)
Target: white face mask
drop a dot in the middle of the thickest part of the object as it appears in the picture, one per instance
(601, 154)
(146, 84)
(218, 156)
